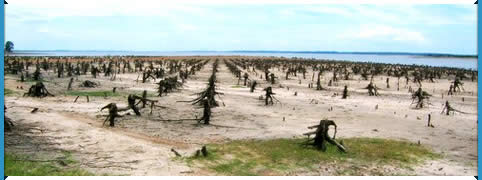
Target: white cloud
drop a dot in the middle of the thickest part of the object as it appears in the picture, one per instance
(383, 32)
(48, 9)
(394, 14)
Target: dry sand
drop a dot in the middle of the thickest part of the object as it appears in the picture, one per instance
(141, 145)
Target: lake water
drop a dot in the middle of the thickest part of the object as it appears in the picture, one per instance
(466, 63)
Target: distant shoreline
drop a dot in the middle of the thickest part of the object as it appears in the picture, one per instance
(436, 60)
(53, 53)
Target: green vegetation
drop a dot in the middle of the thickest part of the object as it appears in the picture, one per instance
(8, 92)
(9, 46)
(92, 93)
(281, 156)
(21, 165)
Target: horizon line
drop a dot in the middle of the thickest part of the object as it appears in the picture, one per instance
(274, 51)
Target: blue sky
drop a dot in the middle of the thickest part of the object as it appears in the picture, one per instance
(156, 26)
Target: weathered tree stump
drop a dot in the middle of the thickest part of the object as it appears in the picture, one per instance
(345, 92)
(204, 151)
(113, 113)
(38, 90)
(7, 122)
(206, 112)
(448, 108)
(253, 86)
(245, 78)
(89, 84)
(429, 121)
(372, 89)
(421, 97)
(321, 136)
(269, 96)
(70, 84)
(131, 101)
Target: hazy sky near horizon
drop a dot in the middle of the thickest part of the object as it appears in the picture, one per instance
(156, 26)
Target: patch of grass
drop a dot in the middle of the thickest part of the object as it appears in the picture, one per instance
(279, 156)
(21, 165)
(92, 93)
(8, 92)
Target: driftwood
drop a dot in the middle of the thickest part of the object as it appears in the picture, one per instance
(87, 97)
(321, 136)
(176, 153)
(447, 109)
(89, 84)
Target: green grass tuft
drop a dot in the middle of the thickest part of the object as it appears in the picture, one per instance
(19, 165)
(279, 156)
(8, 92)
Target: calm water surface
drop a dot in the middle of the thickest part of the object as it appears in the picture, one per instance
(467, 63)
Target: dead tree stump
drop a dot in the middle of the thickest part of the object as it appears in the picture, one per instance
(89, 84)
(448, 108)
(345, 92)
(131, 101)
(70, 84)
(38, 90)
(253, 86)
(206, 112)
(204, 151)
(321, 136)
(269, 99)
(421, 97)
(7, 122)
(113, 113)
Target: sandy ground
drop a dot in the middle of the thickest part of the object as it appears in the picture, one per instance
(142, 145)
